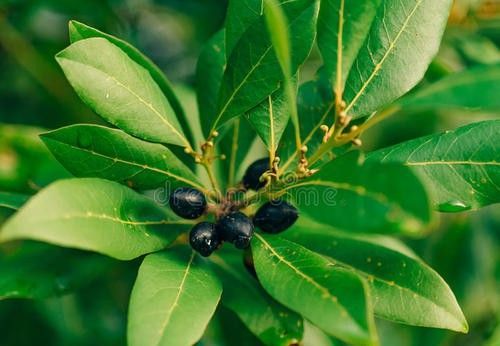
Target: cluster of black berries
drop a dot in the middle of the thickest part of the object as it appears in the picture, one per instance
(234, 227)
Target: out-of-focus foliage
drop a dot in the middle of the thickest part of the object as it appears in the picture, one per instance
(463, 248)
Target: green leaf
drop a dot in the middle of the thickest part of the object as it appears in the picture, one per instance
(96, 215)
(253, 71)
(270, 118)
(120, 90)
(39, 271)
(271, 322)
(277, 26)
(79, 31)
(332, 298)
(474, 89)
(404, 289)
(172, 301)
(460, 168)
(402, 41)
(364, 197)
(342, 28)
(12, 201)
(209, 73)
(97, 151)
(240, 15)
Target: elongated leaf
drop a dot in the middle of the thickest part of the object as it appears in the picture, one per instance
(97, 151)
(475, 89)
(271, 322)
(209, 74)
(460, 168)
(253, 71)
(364, 197)
(342, 28)
(332, 298)
(404, 289)
(97, 215)
(38, 271)
(120, 90)
(269, 119)
(79, 31)
(240, 15)
(12, 201)
(173, 299)
(402, 41)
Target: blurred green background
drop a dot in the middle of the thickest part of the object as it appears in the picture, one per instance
(92, 290)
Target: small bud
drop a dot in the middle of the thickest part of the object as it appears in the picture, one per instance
(354, 128)
(303, 149)
(188, 150)
(197, 160)
(223, 157)
(357, 142)
(210, 144)
(215, 133)
(324, 128)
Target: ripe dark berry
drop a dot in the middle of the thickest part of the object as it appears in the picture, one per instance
(251, 179)
(188, 203)
(275, 216)
(204, 238)
(236, 228)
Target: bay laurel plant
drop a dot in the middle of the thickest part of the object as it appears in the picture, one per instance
(291, 225)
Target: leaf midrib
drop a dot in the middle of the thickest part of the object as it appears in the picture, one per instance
(264, 54)
(176, 300)
(391, 283)
(143, 166)
(306, 277)
(379, 65)
(141, 100)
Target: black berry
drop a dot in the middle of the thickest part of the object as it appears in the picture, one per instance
(236, 228)
(204, 238)
(275, 216)
(251, 179)
(188, 203)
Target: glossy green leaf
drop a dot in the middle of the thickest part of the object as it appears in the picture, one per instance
(39, 271)
(240, 15)
(209, 73)
(475, 89)
(403, 39)
(102, 152)
(332, 298)
(253, 71)
(403, 288)
(96, 215)
(271, 322)
(277, 26)
(79, 31)
(120, 90)
(342, 29)
(173, 299)
(270, 118)
(12, 201)
(460, 167)
(364, 197)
